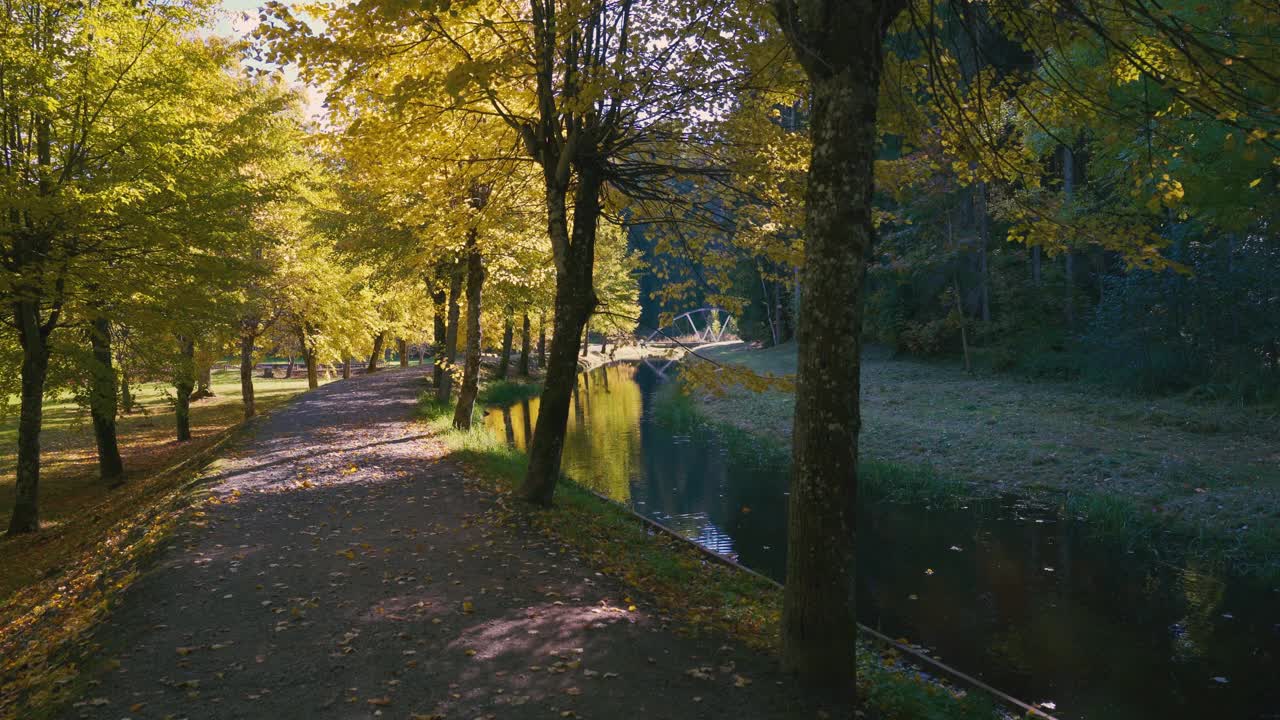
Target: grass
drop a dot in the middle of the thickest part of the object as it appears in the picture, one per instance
(1200, 479)
(58, 584)
(508, 392)
(677, 410)
(683, 581)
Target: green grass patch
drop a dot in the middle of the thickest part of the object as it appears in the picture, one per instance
(896, 692)
(674, 409)
(1252, 552)
(508, 392)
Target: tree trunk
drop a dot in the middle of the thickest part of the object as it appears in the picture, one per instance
(445, 387)
(542, 342)
(35, 368)
(523, 368)
(184, 381)
(955, 285)
(471, 370)
(346, 369)
(403, 348)
(984, 240)
(586, 339)
(440, 299)
(508, 336)
(102, 402)
(126, 392)
(575, 301)
(204, 375)
(840, 46)
(1068, 189)
(288, 372)
(376, 355)
(247, 332)
(309, 357)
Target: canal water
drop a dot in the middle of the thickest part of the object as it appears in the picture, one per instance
(1013, 594)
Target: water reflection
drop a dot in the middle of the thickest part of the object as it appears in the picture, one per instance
(1008, 592)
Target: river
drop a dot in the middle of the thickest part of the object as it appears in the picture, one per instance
(1011, 593)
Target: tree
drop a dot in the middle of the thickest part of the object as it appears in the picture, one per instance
(610, 103)
(116, 113)
(840, 46)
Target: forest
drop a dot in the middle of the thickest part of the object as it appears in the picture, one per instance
(493, 358)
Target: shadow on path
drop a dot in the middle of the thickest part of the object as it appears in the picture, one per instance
(348, 571)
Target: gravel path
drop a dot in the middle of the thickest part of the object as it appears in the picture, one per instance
(350, 571)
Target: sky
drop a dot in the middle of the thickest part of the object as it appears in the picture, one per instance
(238, 19)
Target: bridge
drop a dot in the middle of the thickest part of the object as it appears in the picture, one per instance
(689, 330)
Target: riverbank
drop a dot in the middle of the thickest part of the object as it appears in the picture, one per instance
(703, 596)
(1137, 468)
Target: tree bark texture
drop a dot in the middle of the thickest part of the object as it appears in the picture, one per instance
(542, 341)
(574, 302)
(444, 388)
(402, 346)
(840, 46)
(248, 330)
(471, 369)
(34, 339)
(376, 355)
(440, 299)
(102, 401)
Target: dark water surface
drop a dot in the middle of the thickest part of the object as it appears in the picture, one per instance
(1012, 594)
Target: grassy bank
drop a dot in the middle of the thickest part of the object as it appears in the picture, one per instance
(683, 582)
(1203, 478)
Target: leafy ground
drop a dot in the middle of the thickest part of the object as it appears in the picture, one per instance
(74, 504)
(1206, 469)
(341, 566)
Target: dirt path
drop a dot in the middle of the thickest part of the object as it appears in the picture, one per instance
(350, 572)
